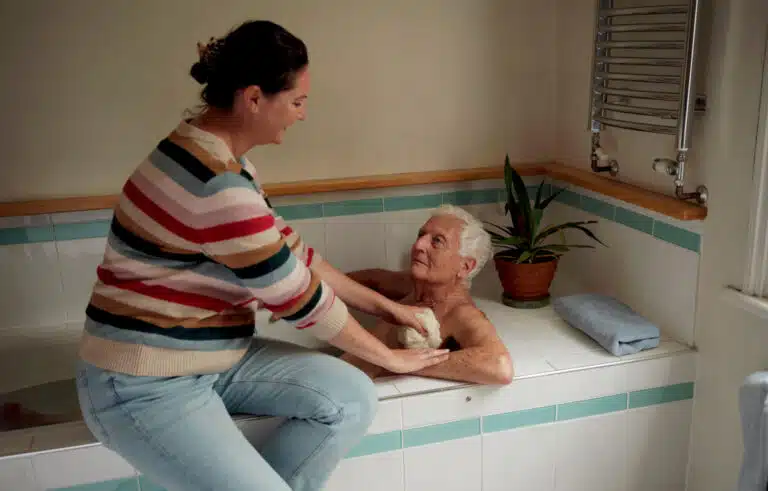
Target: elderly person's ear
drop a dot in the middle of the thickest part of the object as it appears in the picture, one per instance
(467, 266)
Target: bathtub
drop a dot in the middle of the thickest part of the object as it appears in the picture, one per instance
(574, 418)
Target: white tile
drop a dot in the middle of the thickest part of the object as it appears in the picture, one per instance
(82, 216)
(385, 389)
(529, 367)
(37, 355)
(80, 466)
(14, 442)
(520, 459)
(399, 239)
(79, 260)
(674, 369)
(447, 466)
(657, 446)
(554, 388)
(312, 232)
(378, 472)
(585, 359)
(17, 475)
(412, 384)
(31, 290)
(25, 221)
(60, 436)
(448, 405)
(354, 246)
(389, 417)
(590, 454)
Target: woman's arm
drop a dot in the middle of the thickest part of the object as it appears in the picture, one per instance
(365, 299)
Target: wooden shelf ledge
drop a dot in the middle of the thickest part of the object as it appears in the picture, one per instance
(660, 203)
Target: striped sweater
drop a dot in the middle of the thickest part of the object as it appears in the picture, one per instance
(194, 248)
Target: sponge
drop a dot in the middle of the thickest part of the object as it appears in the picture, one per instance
(411, 338)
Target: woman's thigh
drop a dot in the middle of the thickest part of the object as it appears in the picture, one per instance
(282, 379)
(175, 430)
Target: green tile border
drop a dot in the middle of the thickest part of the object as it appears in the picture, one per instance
(519, 419)
(300, 212)
(592, 407)
(416, 202)
(676, 235)
(81, 230)
(378, 443)
(634, 220)
(661, 395)
(126, 484)
(602, 208)
(26, 235)
(414, 437)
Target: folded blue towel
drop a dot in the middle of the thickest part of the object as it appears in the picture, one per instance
(614, 326)
(753, 407)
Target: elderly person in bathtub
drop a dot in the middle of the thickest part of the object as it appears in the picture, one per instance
(451, 248)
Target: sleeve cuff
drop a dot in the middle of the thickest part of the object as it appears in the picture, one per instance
(330, 324)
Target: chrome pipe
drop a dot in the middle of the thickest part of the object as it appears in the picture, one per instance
(632, 125)
(598, 53)
(641, 44)
(639, 77)
(638, 60)
(659, 27)
(642, 111)
(687, 87)
(656, 95)
(659, 9)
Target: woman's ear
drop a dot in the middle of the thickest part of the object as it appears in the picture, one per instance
(253, 98)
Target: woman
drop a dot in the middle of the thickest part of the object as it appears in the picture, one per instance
(168, 351)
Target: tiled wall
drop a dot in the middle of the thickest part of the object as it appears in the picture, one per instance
(49, 262)
(651, 262)
(617, 428)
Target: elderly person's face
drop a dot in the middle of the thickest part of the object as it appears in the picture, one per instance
(435, 256)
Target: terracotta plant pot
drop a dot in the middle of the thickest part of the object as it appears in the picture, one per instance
(525, 285)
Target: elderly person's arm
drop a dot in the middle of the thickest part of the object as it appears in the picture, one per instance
(482, 357)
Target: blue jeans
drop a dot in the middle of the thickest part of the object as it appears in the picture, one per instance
(179, 433)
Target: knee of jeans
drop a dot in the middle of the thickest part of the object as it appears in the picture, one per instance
(362, 403)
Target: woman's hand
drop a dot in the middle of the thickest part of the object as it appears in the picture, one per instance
(413, 360)
(405, 315)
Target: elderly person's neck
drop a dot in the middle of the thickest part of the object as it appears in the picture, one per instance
(443, 294)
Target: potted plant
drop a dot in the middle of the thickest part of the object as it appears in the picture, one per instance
(526, 258)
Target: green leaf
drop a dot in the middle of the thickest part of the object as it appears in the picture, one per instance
(511, 205)
(537, 201)
(511, 241)
(548, 200)
(568, 225)
(526, 255)
(524, 202)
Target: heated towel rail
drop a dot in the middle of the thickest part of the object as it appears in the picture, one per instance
(643, 80)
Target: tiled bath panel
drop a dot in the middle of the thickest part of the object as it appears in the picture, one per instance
(609, 424)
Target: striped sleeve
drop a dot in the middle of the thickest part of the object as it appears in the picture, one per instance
(272, 263)
(300, 249)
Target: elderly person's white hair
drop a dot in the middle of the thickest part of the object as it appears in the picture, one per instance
(475, 241)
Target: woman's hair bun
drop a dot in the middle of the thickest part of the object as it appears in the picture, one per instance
(201, 72)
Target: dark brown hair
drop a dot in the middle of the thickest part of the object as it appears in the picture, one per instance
(257, 52)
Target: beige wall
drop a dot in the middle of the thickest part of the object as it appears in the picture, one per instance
(732, 342)
(89, 86)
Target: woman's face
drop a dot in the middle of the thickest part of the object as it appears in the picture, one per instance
(270, 116)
